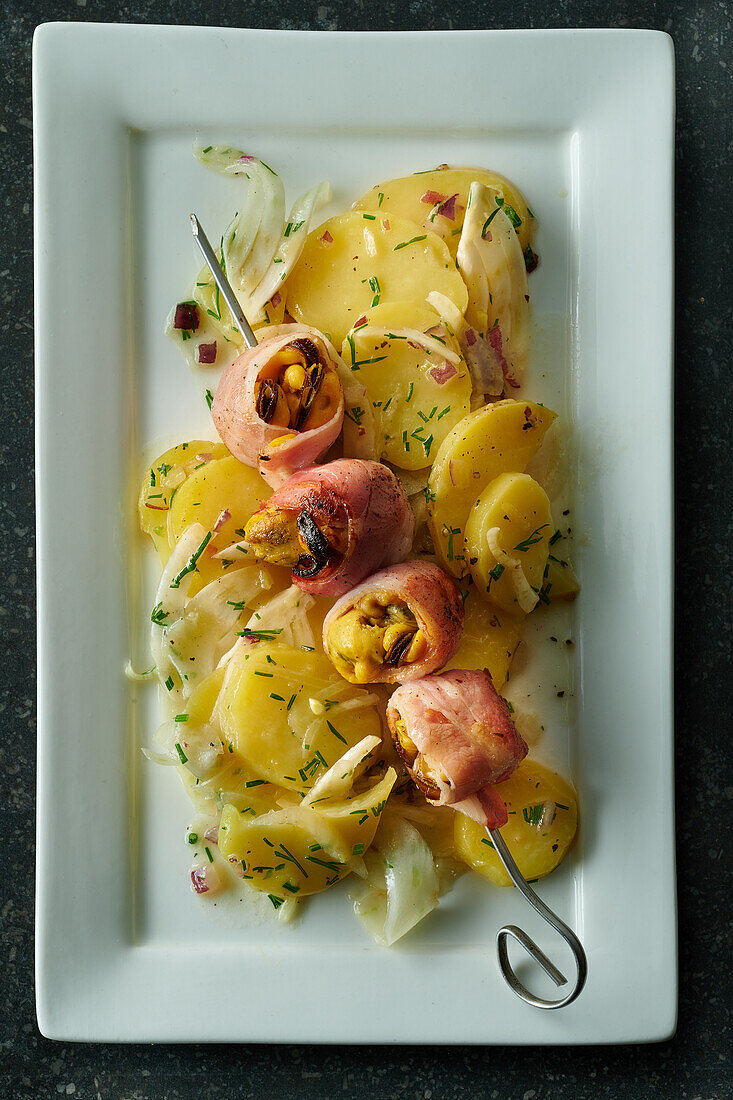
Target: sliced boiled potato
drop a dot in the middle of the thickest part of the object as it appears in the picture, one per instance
(220, 487)
(355, 258)
(232, 781)
(302, 850)
(513, 514)
(416, 197)
(543, 819)
(353, 821)
(560, 581)
(289, 714)
(489, 639)
(417, 394)
(283, 853)
(499, 438)
(163, 480)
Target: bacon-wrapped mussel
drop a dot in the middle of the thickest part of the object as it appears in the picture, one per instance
(398, 625)
(280, 406)
(333, 525)
(457, 738)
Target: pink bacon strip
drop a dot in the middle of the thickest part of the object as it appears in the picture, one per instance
(432, 597)
(277, 451)
(369, 499)
(464, 733)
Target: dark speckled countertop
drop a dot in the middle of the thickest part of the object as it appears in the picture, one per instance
(696, 1063)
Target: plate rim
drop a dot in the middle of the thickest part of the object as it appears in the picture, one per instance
(49, 45)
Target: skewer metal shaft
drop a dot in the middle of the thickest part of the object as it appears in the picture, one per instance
(223, 283)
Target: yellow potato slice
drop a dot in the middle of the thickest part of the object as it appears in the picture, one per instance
(283, 853)
(517, 510)
(489, 639)
(233, 781)
(302, 850)
(368, 256)
(163, 480)
(404, 197)
(543, 819)
(560, 581)
(225, 485)
(281, 709)
(415, 405)
(494, 440)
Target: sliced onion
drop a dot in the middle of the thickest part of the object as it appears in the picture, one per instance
(338, 781)
(402, 882)
(491, 261)
(288, 613)
(291, 242)
(527, 598)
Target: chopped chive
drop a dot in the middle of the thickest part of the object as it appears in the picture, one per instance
(191, 564)
(535, 537)
(193, 838)
(181, 754)
(413, 240)
(335, 732)
(181, 718)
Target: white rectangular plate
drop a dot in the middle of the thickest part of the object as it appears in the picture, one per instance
(583, 121)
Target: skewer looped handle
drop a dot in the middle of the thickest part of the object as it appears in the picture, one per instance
(528, 943)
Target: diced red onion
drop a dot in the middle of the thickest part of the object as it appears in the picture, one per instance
(206, 353)
(443, 374)
(205, 880)
(361, 322)
(326, 237)
(212, 834)
(157, 507)
(186, 317)
(237, 866)
(450, 471)
(431, 197)
(386, 224)
(276, 299)
(204, 456)
(497, 343)
(447, 209)
(247, 158)
(223, 517)
(470, 336)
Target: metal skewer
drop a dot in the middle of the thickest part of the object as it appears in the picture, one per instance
(223, 283)
(529, 945)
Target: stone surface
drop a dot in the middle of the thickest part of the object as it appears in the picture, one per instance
(693, 1064)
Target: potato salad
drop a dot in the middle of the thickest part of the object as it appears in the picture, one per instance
(348, 559)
